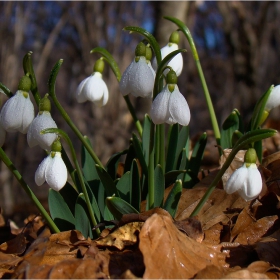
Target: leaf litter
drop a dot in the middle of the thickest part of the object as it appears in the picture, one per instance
(229, 238)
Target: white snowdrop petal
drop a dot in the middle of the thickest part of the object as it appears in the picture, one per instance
(236, 180)
(178, 108)
(125, 86)
(41, 170)
(41, 122)
(138, 79)
(11, 112)
(2, 135)
(159, 111)
(79, 95)
(254, 183)
(93, 89)
(274, 98)
(56, 173)
(28, 115)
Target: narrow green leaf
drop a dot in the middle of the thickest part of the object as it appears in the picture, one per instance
(159, 186)
(88, 164)
(110, 60)
(60, 212)
(82, 220)
(135, 186)
(259, 109)
(6, 90)
(172, 146)
(230, 125)
(119, 207)
(123, 186)
(183, 142)
(107, 181)
(190, 179)
(197, 154)
(139, 153)
(69, 195)
(171, 176)
(131, 155)
(171, 203)
(52, 78)
(146, 138)
(112, 164)
(108, 216)
(184, 164)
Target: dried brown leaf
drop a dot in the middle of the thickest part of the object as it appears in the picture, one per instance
(214, 210)
(213, 234)
(123, 236)
(256, 230)
(168, 253)
(268, 248)
(14, 246)
(245, 274)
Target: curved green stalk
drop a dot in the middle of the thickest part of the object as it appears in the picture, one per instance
(28, 68)
(151, 181)
(114, 66)
(66, 117)
(242, 143)
(6, 90)
(29, 192)
(188, 35)
(79, 172)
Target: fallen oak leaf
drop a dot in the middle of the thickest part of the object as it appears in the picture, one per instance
(168, 253)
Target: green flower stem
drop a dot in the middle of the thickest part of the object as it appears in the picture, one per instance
(66, 116)
(151, 182)
(6, 90)
(79, 172)
(188, 35)
(133, 114)
(29, 192)
(28, 68)
(161, 129)
(242, 143)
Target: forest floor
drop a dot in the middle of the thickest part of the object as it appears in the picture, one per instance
(229, 238)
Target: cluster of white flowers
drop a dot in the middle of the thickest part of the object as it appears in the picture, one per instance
(18, 114)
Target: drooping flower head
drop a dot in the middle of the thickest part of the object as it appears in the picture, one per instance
(176, 63)
(18, 111)
(52, 169)
(138, 78)
(93, 88)
(246, 180)
(42, 121)
(170, 106)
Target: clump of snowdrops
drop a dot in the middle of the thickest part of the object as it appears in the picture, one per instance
(86, 193)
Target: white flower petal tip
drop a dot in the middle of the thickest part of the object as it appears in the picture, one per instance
(170, 108)
(93, 89)
(176, 62)
(247, 181)
(52, 170)
(42, 121)
(138, 79)
(17, 113)
(273, 99)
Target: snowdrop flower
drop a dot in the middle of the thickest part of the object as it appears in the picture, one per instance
(176, 63)
(52, 169)
(246, 180)
(42, 121)
(273, 99)
(94, 88)
(18, 111)
(170, 106)
(138, 78)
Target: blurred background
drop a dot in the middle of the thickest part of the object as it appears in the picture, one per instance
(238, 43)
